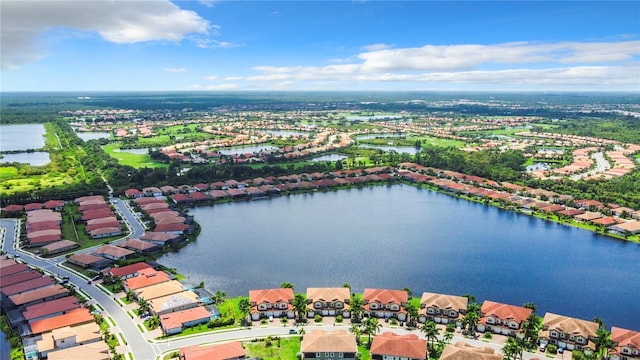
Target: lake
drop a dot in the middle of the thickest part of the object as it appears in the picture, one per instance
(399, 149)
(92, 135)
(21, 137)
(37, 158)
(402, 236)
(246, 149)
(329, 157)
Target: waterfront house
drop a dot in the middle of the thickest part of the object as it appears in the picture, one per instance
(174, 302)
(385, 303)
(441, 308)
(329, 345)
(128, 271)
(139, 246)
(89, 261)
(176, 322)
(328, 301)
(463, 351)
(227, 351)
(630, 227)
(627, 344)
(159, 290)
(502, 318)
(267, 303)
(568, 333)
(389, 345)
(160, 238)
(114, 253)
(146, 277)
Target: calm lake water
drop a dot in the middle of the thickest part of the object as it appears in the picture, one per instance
(330, 157)
(401, 236)
(21, 137)
(92, 135)
(246, 149)
(38, 158)
(399, 149)
(5, 347)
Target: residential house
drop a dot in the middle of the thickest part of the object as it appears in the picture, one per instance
(267, 303)
(568, 333)
(174, 302)
(114, 253)
(146, 277)
(59, 246)
(159, 290)
(385, 303)
(502, 318)
(627, 344)
(329, 345)
(390, 346)
(176, 322)
(328, 301)
(74, 317)
(126, 272)
(67, 337)
(98, 350)
(89, 261)
(463, 351)
(227, 351)
(50, 308)
(39, 295)
(442, 308)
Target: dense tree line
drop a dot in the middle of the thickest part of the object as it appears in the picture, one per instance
(624, 129)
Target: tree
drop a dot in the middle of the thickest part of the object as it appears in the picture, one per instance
(371, 327)
(412, 313)
(143, 306)
(409, 292)
(220, 296)
(286, 285)
(300, 306)
(530, 330)
(355, 330)
(431, 332)
(512, 349)
(244, 305)
(356, 304)
(472, 317)
(603, 342)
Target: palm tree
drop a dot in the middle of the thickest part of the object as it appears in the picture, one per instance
(356, 304)
(431, 332)
(530, 330)
(355, 330)
(371, 327)
(409, 292)
(530, 305)
(143, 306)
(412, 313)
(471, 318)
(245, 307)
(603, 342)
(220, 296)
(300, 306)
(512, 349)
(286, 285)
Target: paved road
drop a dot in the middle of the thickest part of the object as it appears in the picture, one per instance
(602, 165)
(138, 345)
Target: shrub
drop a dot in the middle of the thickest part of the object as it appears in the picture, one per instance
(552, 349)
(339, 319)
(221, 322)
(317, 318)
(487, 336)
(393, 322)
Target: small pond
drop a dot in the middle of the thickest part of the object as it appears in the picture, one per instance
(38, 158)
(246, 149)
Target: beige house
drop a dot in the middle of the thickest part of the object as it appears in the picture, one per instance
(268, 303)
(326, 345)
(441, 308)
(67, 337)
(568, 333)
(385, 303)
(464, 351)
(328, 301)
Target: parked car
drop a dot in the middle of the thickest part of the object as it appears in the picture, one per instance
(292, 331)
(543, 347)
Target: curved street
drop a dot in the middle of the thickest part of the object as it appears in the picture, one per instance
(145, 346)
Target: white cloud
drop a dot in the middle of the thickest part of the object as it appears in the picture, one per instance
(175, 70)
(233, 78)
(211, 77)
(208, 3)
(562, 63)
(115, 21)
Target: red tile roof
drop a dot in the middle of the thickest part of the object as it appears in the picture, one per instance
(385, 296)
(147, 277)
(231, 350)
(73, 317)
(37, 294)
(178, 318)
(27, 285)
(505, 311)
(271, 296)
(407, 346)
(51, 307)
(19, 277)
(128, 270)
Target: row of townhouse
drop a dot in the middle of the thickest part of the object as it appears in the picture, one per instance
(499, 318)
(52, 323)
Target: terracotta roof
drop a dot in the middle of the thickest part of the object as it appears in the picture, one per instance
(329, 341)
(442, 301)
(178, 318)
(82, 333)
(51, 307)
(165, 303)
(147, 277)
(28, 285)
(161, 289)
(328, 294)
(114, 251)
(625, 337)
(385, 296)
(73, 317)
(13, 269)
(231, 350)
(62, 244)
(19, 277)
(570, 325)
(37, 294)
(270, 296)
(85, 259)
(505, 311)
(158, 236)
(127, 270)
(464, 351)
(407, 346)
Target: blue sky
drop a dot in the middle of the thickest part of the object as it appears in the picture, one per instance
(319, 45)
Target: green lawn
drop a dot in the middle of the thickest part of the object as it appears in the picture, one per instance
(285, 348)
(133, 160)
